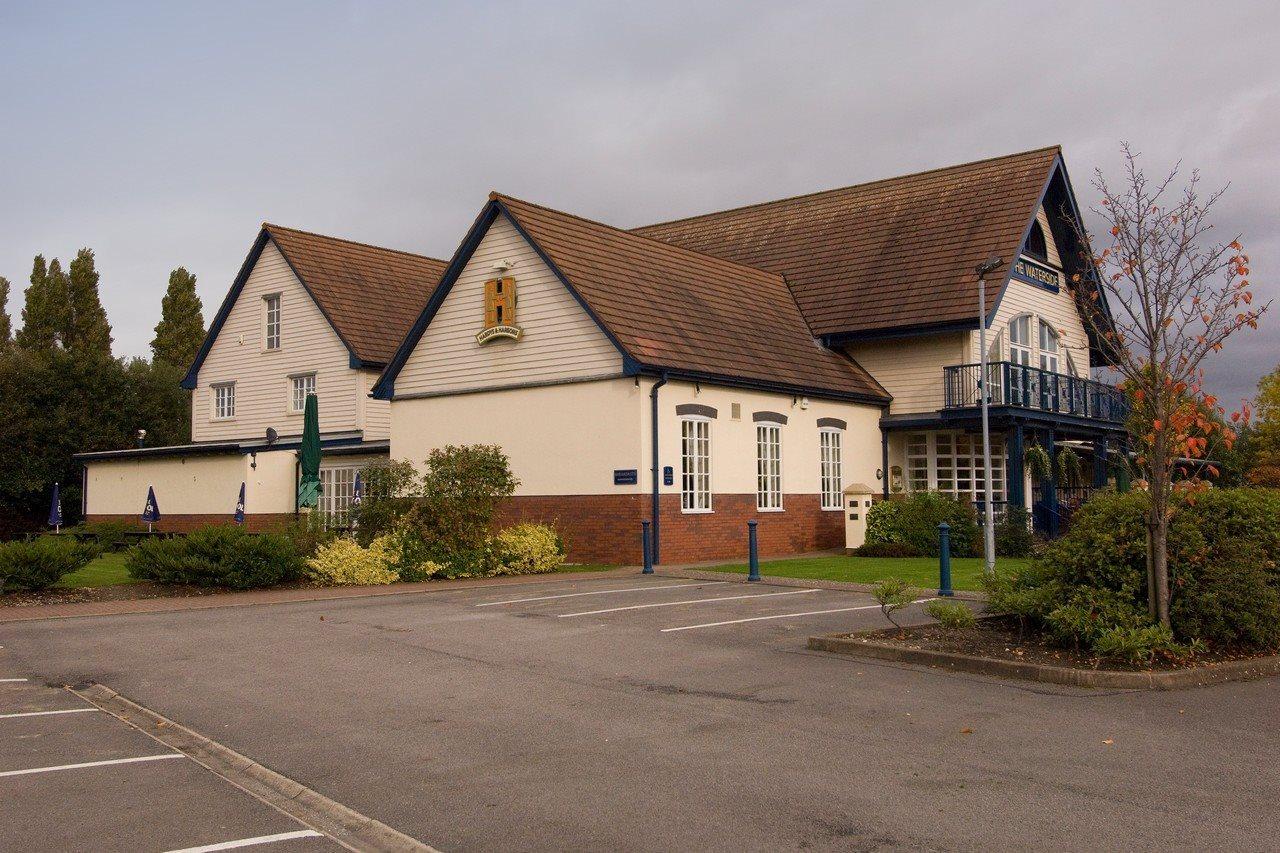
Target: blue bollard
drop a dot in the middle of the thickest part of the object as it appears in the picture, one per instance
(645, 545)
(944, 560)
(752, 556)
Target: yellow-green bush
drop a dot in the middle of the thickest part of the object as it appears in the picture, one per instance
(527, 549)
(343, 562)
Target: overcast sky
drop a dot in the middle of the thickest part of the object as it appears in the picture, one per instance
(163, 134)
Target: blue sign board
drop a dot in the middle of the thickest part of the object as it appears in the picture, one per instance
(668, 476)
(625, 477)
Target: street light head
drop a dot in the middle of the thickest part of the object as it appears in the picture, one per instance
(989, 265)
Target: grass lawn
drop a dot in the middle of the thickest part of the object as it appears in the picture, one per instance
(107, 570)
(917, 571)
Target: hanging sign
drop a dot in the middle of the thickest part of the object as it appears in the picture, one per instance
(499, 311)
(1035, 273)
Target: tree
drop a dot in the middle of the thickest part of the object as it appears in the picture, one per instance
(6, 331)
(181, 328)
(45, 314)
(1175, 296)
(87, 331)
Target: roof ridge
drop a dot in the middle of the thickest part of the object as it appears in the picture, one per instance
(271, 225)
(497, 196)
(816, 193)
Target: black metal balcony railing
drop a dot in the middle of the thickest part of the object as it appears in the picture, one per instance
(1029, 387)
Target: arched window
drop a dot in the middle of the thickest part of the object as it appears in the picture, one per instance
(1048, 348)
(1020, 339)
(1037, 246)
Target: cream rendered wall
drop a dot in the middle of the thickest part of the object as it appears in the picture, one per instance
(911, 368)
(563, 439)
(1058, 309)
(308, 344)
(272, 486)
(184, 485)
(561, 342)
(733, 442)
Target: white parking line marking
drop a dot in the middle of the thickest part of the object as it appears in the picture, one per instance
(12, 679)
(687, 601)
(250, 842)
(46, 713)
(781, 616)
(92, 764)
(600, 592)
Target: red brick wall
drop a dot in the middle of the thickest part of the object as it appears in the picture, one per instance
(606, 528)
(255, 523)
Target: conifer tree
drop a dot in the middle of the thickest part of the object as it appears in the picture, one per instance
(5, 324)
(181, 328)
(87, 331)
(48, 306)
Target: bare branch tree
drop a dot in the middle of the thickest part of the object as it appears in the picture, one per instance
(1175, 295)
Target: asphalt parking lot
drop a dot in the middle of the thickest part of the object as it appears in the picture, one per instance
(596, 712)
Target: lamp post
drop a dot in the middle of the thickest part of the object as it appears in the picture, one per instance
(988, 522)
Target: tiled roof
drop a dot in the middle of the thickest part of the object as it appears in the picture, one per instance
(371, 295)
(889, 254)
(670, 307)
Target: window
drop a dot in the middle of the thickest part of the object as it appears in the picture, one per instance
(299, 388)
(224, 401)
(1037, 247)
(1022, 383)
(768, 467)
(695, 465)
(271, 321)
(1048, 348)
(952, 463)
(337, 487)
(829, 447)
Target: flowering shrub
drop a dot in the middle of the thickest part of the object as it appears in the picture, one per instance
(343, 562)
(527, 549)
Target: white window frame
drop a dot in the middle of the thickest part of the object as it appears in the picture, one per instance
(768, 466)
(298, 405)
(1049, 356)
(695, 466)
(269, 302)
(830, 468)
(945, 471)
(337, 487)
(220, 409)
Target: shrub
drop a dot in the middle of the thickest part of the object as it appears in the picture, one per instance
(343, 562)
(892, 594)
(390, 490)
(416, 560)
(1137, 645)
(951, 614)
(218, 556)
(527, 549)
(109, 532)
(913, 520)
(42, 562)
(887, 549)
(308, 533)
(1013, 534)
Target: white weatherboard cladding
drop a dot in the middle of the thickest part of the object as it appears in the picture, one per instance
(1058, 309)
(911, 368)
(308, 343)
(560, 342)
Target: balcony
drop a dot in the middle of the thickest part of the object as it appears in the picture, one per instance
(1024, 387)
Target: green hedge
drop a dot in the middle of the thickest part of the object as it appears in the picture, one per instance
(42, 562)
(218, 556)
(912, 520)
(1090, 587)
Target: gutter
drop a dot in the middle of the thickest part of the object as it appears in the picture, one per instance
(653, 407)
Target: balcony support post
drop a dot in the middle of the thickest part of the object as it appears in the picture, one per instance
(1051, 485)
(1101, 447)
(1017, 468)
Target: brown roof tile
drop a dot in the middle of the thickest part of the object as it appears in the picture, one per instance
(670, 307)
(892, 253)
(371, 295)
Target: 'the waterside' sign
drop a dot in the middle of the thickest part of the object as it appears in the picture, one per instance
(1036, 273)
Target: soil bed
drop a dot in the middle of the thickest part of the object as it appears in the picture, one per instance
(119, 592)
(997, 637)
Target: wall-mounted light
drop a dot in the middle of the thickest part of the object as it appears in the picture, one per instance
(253, 460)
(879, 473)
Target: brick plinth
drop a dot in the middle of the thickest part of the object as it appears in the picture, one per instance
(254, 523)
(606, 528)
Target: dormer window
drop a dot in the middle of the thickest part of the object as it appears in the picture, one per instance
(1037, 247)
(271, 321)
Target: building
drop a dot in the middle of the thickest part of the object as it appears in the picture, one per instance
(750, 364)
